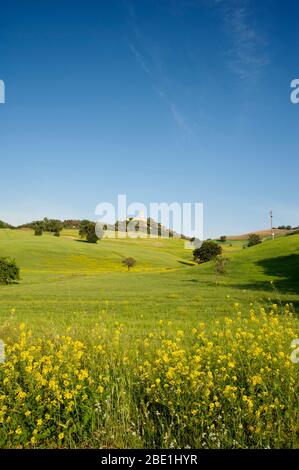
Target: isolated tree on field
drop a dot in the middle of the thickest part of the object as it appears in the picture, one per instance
(83, 228)
(208, 250)
(254, 239)
(91, 236)
(220, 264)
(129, 262)
(223, 238)
(9, 271)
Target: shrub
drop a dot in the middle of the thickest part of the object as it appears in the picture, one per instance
(91, 236)
(254, 239)
(9, 271)
(220, 264)
(129, 262)
(208, 251)
(5, 225)
(83, 228)
(38, 230)
(52, 225)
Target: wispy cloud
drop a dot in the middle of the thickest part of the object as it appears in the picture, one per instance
(139, 59)
(247, 55)
(177, 116)
(146, 60)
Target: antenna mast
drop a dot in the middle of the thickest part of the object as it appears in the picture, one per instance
(271, 224)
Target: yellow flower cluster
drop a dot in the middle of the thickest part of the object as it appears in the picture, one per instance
(45, 387)
(226, 383)
(232, 385)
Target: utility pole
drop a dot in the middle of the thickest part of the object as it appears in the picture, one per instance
(271, 224)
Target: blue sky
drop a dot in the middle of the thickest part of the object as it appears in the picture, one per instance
(162, 100)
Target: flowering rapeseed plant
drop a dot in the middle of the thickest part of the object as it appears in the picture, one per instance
(229, 383)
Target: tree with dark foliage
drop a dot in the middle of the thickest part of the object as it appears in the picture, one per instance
(38, 229)
(254, 239)
(9, 271)
(83, 228)
(129, 262)
(91, 236)
(208, 251)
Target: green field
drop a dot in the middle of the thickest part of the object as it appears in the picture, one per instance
(169, 354)
(64, 276)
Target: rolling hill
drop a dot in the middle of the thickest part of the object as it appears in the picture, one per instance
(62, 276)
(263, 233)
(85, 321)
(63, 279)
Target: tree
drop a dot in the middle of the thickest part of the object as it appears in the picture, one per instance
(208, 250)
(129, 262)
(52, 225)
(5, 225)
(222, 238)
(254, 239)
(220, 263)
(38, 228)
(9, 271)
(83, 228)
(91, 236)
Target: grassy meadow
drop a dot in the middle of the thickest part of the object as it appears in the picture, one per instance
(167, 355)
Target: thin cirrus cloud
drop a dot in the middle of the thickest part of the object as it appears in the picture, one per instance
(177, 116)
(247, 55)
(150, 70)
(139, 59)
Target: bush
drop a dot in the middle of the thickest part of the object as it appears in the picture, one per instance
(220, 264)
(208, 251)
(254, 239)
(83, 227)
(9, 271)
(129, 262)
(38, 230)
(91, 236)
(5, 225)
(52, 225)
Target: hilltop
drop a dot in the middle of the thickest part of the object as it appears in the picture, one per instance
(263, 233)
(5, 225)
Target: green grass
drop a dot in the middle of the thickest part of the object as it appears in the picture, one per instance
(63, 277)
(232, 246)
(165, 357)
